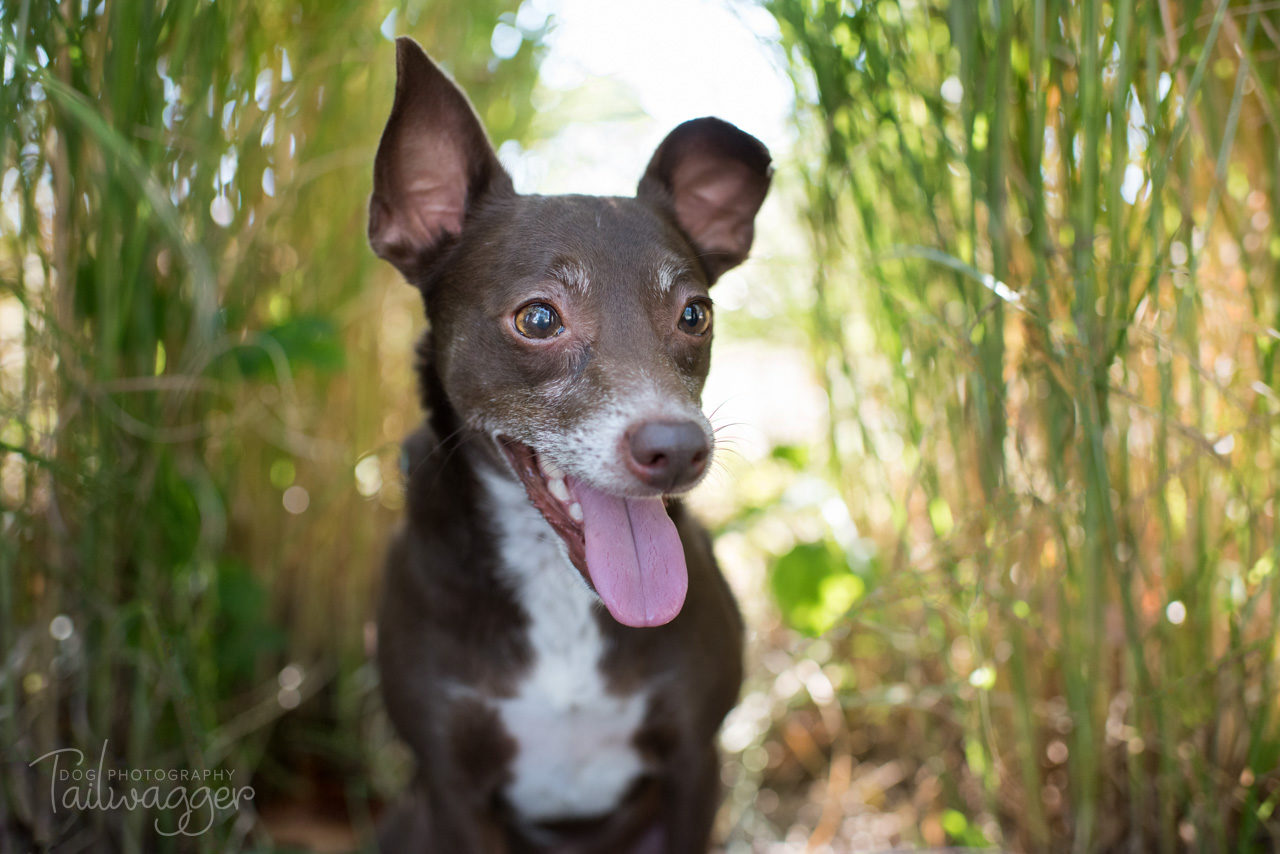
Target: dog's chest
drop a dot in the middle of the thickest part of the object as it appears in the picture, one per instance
(575, 754)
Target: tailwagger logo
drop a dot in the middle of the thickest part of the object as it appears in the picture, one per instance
(186, 802)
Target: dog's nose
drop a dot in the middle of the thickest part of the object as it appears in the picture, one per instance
(667, 454)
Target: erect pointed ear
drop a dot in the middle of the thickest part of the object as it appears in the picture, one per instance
(712, 178)
(434, 165)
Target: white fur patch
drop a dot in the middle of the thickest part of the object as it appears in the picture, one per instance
(573, 275)
(575, 756)
(670, 271)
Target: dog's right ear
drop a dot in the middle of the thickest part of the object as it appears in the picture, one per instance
(434, 165)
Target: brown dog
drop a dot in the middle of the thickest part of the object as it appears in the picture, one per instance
(569, 341)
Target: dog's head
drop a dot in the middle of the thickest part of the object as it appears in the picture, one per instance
(572, 331)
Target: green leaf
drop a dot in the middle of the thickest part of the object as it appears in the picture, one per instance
(814, 587)
(796, 456)
(940, 516)
(959, 830)
(954, 823)
(245, 633)
(304, 341)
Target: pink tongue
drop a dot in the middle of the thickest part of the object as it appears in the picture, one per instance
(634, 557)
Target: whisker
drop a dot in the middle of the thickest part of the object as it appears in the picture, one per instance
(728, 449)
(712, 414)
(719, 467)
(728, 424)
(729, 442)
(448, 446)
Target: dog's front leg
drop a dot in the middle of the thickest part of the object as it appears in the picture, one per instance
(691, 793)
(426, 820)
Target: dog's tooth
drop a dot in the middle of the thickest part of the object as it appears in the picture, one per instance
(558, 488)
(549, 469)
(575, 512)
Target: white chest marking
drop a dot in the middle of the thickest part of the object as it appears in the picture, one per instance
(575, 755)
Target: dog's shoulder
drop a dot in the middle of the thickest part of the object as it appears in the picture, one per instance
(443, 599)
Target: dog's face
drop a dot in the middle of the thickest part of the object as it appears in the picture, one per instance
(573, 331)
(571, 320)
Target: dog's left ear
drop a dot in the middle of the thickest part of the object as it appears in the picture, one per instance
(712, 178)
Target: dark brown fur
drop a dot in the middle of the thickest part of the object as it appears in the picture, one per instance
(446, 615)
(451, 631)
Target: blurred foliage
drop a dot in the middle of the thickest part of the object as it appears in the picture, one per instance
(197, 471)
(1045, 314)
(814, 586)
(1032, 561)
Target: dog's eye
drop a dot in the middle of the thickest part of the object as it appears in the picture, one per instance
(696, 317)
(538, 320)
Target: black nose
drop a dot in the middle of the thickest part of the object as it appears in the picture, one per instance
(667, 454)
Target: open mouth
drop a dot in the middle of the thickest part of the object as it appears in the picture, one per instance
(548, 489)
(628, 549)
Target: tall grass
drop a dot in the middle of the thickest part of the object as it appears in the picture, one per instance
(194, 428)
(1046, 313)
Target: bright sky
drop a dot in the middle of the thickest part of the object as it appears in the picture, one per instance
(674, 60)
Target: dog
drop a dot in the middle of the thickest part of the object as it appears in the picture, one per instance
(555, 641)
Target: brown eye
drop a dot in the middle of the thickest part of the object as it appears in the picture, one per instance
(696, 317)
(538, 320)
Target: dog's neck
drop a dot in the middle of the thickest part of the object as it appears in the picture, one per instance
(441, 416)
